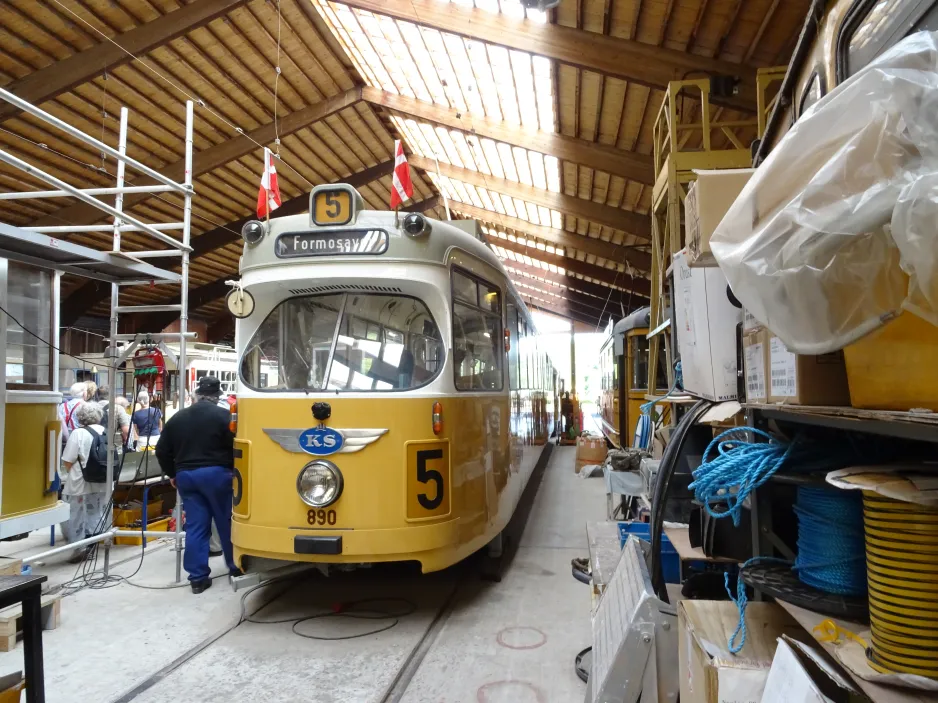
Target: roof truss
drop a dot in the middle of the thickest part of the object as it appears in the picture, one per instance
(629, 60)
(630, 222)
(610, 277)
(62, 76)
(602, 157)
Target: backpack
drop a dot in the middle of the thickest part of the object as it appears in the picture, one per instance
(95, 471)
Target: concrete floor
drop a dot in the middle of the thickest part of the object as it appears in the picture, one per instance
(498, 642)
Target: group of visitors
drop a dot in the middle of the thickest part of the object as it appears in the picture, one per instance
(195, 450)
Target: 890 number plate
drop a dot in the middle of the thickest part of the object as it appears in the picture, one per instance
(321, 517)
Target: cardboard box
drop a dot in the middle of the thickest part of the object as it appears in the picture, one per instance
(590, 451)
(707, 201)
(802, 379)
(755, 361)
(709, 672)
(804, 674)
(10, 566)
(706, 330)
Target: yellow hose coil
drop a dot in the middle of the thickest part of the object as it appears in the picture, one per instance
(902, 570)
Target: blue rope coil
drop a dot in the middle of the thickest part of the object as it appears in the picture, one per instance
(738, 468)
(831, 551)
(831, 548)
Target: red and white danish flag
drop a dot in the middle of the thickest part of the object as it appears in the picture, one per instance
(268, 197)
(401, 187)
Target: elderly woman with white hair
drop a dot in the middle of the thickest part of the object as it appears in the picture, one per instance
(85, 498)
(78, 394)
(148, 422)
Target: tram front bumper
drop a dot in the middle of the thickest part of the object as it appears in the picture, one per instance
(411, 543)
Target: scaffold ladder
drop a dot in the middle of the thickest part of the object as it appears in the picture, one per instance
(124, 222)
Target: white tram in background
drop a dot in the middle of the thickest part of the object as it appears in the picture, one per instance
(391, 391)
(201, 360)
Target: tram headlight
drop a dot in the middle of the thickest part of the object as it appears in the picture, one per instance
(416, 225)
(319, 484)
(253, 231)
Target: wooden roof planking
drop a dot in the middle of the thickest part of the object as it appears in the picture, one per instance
(554, 145)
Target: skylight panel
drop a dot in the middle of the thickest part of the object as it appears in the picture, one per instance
(466, 82)
(474, 197)
(552, 168)
(507, 160)
(504, 205)
(448, 153)
(444, 68)
(489, 150)
(466, 156)
(487, 202)
(372, 45)
(403, 57)
(504, 83)
(524, 87)
(423, 63)
(521, 162)
(538, 172)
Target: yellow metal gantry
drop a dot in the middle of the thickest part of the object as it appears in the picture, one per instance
(682, 146)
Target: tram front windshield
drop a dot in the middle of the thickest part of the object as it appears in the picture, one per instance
(344, 342)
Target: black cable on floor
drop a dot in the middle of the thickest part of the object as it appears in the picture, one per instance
(362, 609)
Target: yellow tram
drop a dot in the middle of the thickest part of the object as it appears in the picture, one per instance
(623, 362)
(391, 392)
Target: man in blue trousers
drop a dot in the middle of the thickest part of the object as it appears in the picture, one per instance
(196, 450)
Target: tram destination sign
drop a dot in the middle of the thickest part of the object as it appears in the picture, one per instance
(331, 243)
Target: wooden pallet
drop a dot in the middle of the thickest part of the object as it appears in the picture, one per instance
(10, 618)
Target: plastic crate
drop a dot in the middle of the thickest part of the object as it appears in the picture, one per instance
(670, 561)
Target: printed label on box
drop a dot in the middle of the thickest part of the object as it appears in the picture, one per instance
(755, 372)
(784, 369)
(749, 321)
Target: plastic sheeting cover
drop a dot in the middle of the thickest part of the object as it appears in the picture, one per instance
(809, 245)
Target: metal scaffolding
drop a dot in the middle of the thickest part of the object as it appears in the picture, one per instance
(120, 268)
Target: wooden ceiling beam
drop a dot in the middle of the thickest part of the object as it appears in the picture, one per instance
(639, 286)
(62, 76)
(561, 310)
(527, 286)
(557, 237)
(198, 297)
(630, 60)
(630, 222)
(211, 158)
(601, 157)
(91, 293)
(601, 293)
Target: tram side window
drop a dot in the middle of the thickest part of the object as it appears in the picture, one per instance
(477, 334)
(29, 300)
(514, 350)
(883, 24)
